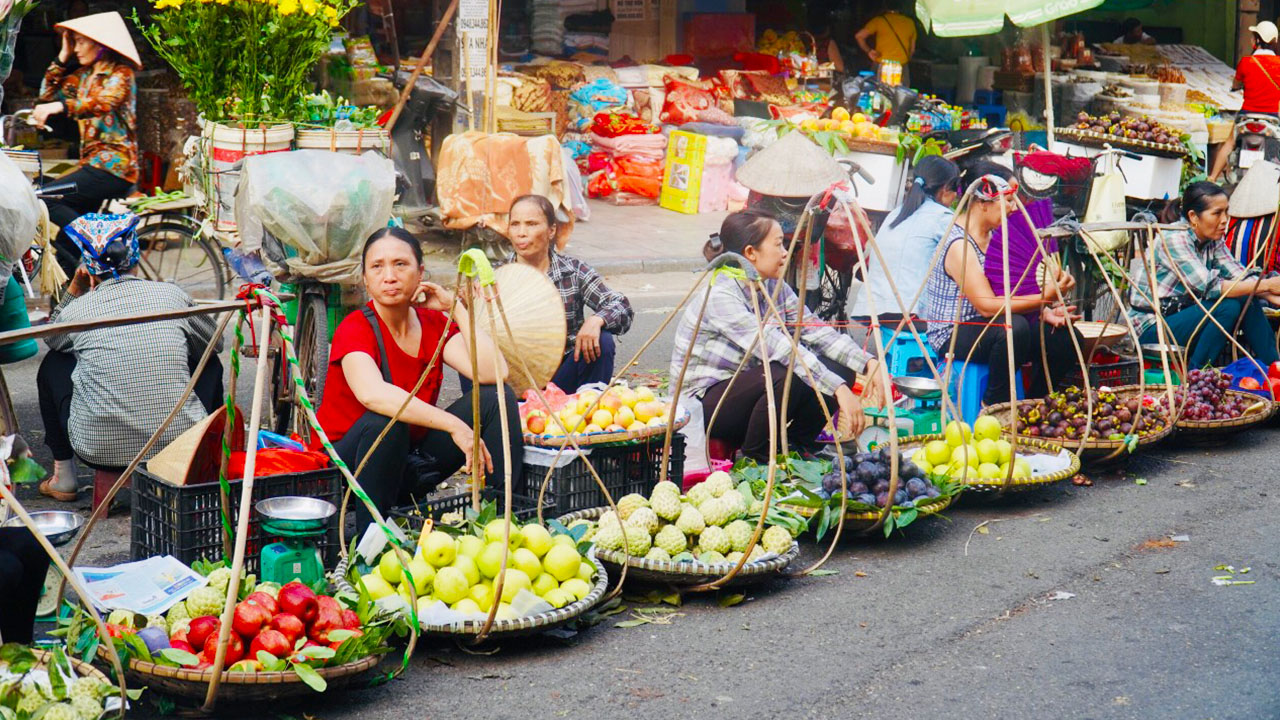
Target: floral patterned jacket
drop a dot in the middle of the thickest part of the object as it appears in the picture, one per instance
(102, 98)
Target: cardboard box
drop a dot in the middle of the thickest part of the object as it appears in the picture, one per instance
(682, 172)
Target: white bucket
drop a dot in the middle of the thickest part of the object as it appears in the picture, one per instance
(350, 142)
(224, 147)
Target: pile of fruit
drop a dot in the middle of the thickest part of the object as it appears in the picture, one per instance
(773, 43)
(460, 571)
(1269, 385)
(867, 475)
(1206, 398)
(30, 690)
(1129, 128)
(967, 455)
(850, 126)
(1064, 415)
(620, 409)
(708, 525)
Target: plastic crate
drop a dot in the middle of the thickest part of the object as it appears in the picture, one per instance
(624, 468)
(1125, 372)
(522, 508)
(185, 521)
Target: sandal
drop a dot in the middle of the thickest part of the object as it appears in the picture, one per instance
(46, 488)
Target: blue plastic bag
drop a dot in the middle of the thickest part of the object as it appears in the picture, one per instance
(1243, 368)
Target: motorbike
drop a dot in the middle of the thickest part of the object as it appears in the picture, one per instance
(970, 147)
(415, 173)
(1257, 138)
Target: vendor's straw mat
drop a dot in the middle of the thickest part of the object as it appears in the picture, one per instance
(535, 313)
(794, 166)
(108, 30)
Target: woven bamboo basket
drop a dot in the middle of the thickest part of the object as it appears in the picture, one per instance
(683, 574)
(82, 668)
(1045, 447)
(863, 521)
(1217, 431)
(527, 625)
(1092, 451)
(241, 687)
(604, 438)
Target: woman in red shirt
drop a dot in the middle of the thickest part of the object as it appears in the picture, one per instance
(372, 368)
(1259, 76)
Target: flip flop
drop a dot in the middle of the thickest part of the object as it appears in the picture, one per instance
(59, 495)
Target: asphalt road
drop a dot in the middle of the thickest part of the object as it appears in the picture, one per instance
(1070, 602)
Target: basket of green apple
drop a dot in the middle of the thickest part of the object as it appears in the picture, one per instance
(982, 459)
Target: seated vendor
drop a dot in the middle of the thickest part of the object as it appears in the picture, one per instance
(23, 564)
(104, 391)
(589, 348)
(827, 358)
(379, 354)
(965, 310)
(1195, 261)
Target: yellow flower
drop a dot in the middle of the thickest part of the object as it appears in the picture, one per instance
(287, 7)
(309, 7)
(331, 14)
(162, 4)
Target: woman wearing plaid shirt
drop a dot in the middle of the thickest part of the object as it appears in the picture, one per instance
(589, 347)
(1196, 261)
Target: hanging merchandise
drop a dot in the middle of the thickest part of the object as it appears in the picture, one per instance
(1107, 204)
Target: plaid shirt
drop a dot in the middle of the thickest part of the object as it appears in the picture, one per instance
(582, 287)
(128, 378)
(1205, 265)
(101, 97)
(729, 329)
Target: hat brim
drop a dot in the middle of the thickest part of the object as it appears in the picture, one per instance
(108, 30)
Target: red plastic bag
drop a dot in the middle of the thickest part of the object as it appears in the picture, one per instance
(277, 461)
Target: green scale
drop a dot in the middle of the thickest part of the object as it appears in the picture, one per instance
(297, 521)
(922, 417)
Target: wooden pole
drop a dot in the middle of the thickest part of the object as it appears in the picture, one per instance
(1048, 85)
(422, 63)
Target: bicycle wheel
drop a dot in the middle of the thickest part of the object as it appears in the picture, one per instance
(172, 251)
(312, 345)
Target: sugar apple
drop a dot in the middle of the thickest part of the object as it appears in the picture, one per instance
(270, 588)
(776, 540)
(719, 483)
(657, 554)
(690, 521)
(711, 558)
(666, 505)
(608, 535)
(90, 688)
(736, 503)
(638, 540)
(646, 518)
(756, 507)
(206, 601)
(739, 532)
(733, 557)
(757, 552)
(32, 699)
(176, 614)
(127, 618)
(714, 539)
(61, 711)
(177, 626)
(700, 493)
(86, 708)
(663, 488)
(630, 503)
(158, 621)
(671, 539)
(605, 517)
(716, 511)
(220, 578)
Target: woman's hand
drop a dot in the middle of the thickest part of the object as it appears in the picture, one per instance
(81, 283)
(587, 344)
(873, 384)
(1058, 291)
(434, 297)
(464, 437)
(851, 422)
(874, 55)
(41, 113)
(64, 55)
(1057, 316)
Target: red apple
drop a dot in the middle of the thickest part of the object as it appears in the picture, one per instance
(182, 645)
(1274, 370)
(301, 655)
(350, 620)
(249, 617)
(265, 601)
(328, 617)
(298, 600)
(290, 626)
(235, 650)
(272, 642)
(200, 630)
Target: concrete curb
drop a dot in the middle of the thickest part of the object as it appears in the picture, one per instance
(607, 266)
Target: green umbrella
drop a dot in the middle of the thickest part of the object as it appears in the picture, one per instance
(950, 18)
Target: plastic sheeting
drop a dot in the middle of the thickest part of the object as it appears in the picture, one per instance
(19, 213)
(309, 211)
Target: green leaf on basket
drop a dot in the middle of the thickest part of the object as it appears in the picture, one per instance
(134, 693)
(824, 520)
(730, 600)
(340, 635)
(631, 623)
(317, 653)
(182, 657)
(906, 517)
(308, 675)
(888, 524)
(270, 662)
(557, 528)
(56, 681)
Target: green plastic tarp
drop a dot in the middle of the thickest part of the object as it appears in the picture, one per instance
(953, 18)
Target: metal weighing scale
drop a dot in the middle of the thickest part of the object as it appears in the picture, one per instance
(919, 414)
(296, 520)
(59, 527)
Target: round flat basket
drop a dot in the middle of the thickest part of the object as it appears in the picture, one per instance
(82, 668)
(1092, 451)
(683, 574)
(604, 438)
(1050, 463)
(1216, 431)
(241, 687)
(526, 625)
(863, 521)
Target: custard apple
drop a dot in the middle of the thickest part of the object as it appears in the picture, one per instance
(33, 699)
(127, 618)
(158, 621)
(666, 505)
(756, 508)
(657, 554)
(733, 557)
(715, 511)
(86, 708)
(630, 503)
(671, 540)
(270, 588)
(61, 711)
(206, 601)
(719, 483)
(714, 539)
(608, 535)
(220, 578)
(646, 518)
(177, 626)
(739, 532)
(776, 540)
(690, 521)
(663, 488)
(711, 558)
(638, 540)
(736, 503)
(757, 552)
(700, 493)
(176, 613)
(90, 688)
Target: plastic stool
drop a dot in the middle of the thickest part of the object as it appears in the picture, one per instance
(13, 316)
(995, 115)
(718, 449)
(904, 351)
(987, 97)
(102, 482)
(969, 396)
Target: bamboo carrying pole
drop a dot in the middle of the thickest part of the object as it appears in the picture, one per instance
(422, 63)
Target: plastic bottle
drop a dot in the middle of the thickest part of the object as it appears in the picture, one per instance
(248, 267)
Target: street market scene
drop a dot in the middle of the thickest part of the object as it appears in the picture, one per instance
(639, 358)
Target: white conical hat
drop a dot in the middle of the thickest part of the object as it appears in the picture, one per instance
(793, 166)
(108, 30)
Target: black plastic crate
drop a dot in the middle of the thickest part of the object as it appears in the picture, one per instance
(434, 506)
(185, 521)
(1125, 372)
(624, 468)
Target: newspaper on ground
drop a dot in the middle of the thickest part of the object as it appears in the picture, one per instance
(149, 586)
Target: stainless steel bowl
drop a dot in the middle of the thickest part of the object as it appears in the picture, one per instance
(1154, 349)
(293, 507)
(923, 388)
(59, 526)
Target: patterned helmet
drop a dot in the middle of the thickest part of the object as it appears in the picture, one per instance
(92, 233)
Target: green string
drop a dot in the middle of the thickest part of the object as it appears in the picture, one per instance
(231, 418)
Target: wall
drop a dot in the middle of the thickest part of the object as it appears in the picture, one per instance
(1210, 24)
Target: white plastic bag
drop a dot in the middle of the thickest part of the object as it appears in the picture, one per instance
(19, 212)
(1106, 204)
(695, 437)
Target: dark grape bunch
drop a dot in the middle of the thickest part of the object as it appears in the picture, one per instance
(868, 478)
(1205, 394)
(1062, 415)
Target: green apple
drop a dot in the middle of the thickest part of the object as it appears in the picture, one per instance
(389, 567)
(467, 606)
(937, 452)
(558, 598)
(470, 545)
(482, 594)
(424, 602)
(423, 574)
(526, 560)
(490, 560)
(1006, 451)
(505, 612)
(989, 471)
(1021, 468)
(376, 585)
(988, 451)
(514, 581)
(468, 568)
(958, 433)
(451, 585)
(536, 538)
(439, 548)
(962, 454)
(562, 562)
(986, 428)
(565, 540)
(493, 532)
(543, 584)
(586, 571)
(577, 587)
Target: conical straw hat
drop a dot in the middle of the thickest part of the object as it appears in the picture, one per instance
(536, 314)
(194, 456)
(1256, 195)
(794, 166)
(108, 30)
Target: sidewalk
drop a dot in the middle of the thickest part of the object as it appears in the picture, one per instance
(620, 240)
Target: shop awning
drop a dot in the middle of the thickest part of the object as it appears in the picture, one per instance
(952, 18)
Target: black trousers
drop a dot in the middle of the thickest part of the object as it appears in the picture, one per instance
(23, 564)
(991, 349)
(744, 416)
(54, 389)
(385, 479)
(93, 186)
